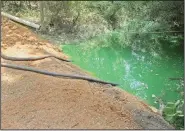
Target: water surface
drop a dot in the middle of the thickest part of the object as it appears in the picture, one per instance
(139, 73)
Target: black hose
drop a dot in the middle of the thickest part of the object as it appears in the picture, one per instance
(54, 74)
(30, 58)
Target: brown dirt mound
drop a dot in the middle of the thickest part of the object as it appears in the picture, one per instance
(35, 101)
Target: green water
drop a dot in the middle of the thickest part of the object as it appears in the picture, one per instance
(139, 73)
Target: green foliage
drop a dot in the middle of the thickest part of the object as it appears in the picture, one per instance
(107, 10)
(122, 23)
(141, 25)
(173, 112)
(23, 9)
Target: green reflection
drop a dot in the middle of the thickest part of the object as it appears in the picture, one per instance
(137, 72)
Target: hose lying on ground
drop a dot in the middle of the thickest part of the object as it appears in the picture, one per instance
(30, 58)
(54, 74)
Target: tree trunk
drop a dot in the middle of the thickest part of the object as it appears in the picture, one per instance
(29, 4)
(41, 7)
(20, 4)
(2, 4)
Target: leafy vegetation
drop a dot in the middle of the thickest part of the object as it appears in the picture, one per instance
(173, 112)
(142, 25)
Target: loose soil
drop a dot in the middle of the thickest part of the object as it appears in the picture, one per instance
(35, 101)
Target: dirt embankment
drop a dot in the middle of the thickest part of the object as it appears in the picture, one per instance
(35, 101)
